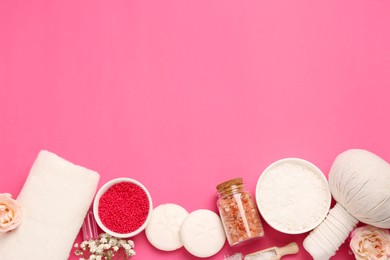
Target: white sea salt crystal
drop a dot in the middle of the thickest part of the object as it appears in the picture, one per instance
(236, 256)
(268, 255)
(292, 196)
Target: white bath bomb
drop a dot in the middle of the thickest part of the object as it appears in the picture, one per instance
(202, 233)
(164, 226)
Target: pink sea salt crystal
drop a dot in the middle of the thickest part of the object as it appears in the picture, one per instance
(124, 207)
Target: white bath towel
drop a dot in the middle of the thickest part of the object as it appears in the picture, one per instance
(55, 199)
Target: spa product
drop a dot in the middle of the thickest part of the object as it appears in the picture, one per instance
(238, 211)
(274, 253)
(164, 226)
(123, 207)
(89, 228)
(202, 233)
(293, 195)
(55, 199)
(360, 183)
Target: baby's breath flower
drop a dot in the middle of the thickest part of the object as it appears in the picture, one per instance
(112, 241)
(100, 248)
(78, 252)
(103, 248)
(130, 252)
(83, 245)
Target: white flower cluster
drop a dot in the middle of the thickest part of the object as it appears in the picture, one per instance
(105, 248)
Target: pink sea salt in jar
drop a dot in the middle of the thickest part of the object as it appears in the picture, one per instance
(122, 207)
(238, 212)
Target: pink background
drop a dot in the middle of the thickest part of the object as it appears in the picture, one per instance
(182, 95)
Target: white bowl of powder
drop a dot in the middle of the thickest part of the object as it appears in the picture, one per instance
(293, 196)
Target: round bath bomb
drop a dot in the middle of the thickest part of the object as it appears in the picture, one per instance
(164, 226)
(202, 233)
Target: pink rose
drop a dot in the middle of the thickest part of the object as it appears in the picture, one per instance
(10, 213)
(369, 242)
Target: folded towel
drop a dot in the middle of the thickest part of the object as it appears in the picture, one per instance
(55, 199)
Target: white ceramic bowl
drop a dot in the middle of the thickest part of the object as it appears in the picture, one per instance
(102, 190)
(293, 196)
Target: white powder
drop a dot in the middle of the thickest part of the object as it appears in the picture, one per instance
(293, 197)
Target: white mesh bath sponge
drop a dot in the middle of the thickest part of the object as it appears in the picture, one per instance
(360, 183)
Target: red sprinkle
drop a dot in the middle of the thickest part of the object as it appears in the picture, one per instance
(123, 208)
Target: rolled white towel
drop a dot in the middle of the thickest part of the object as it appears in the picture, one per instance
(55, 199)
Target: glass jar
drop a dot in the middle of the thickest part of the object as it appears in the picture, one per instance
(238, 212)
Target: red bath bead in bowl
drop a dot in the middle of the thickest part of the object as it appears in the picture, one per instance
(122, 207)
